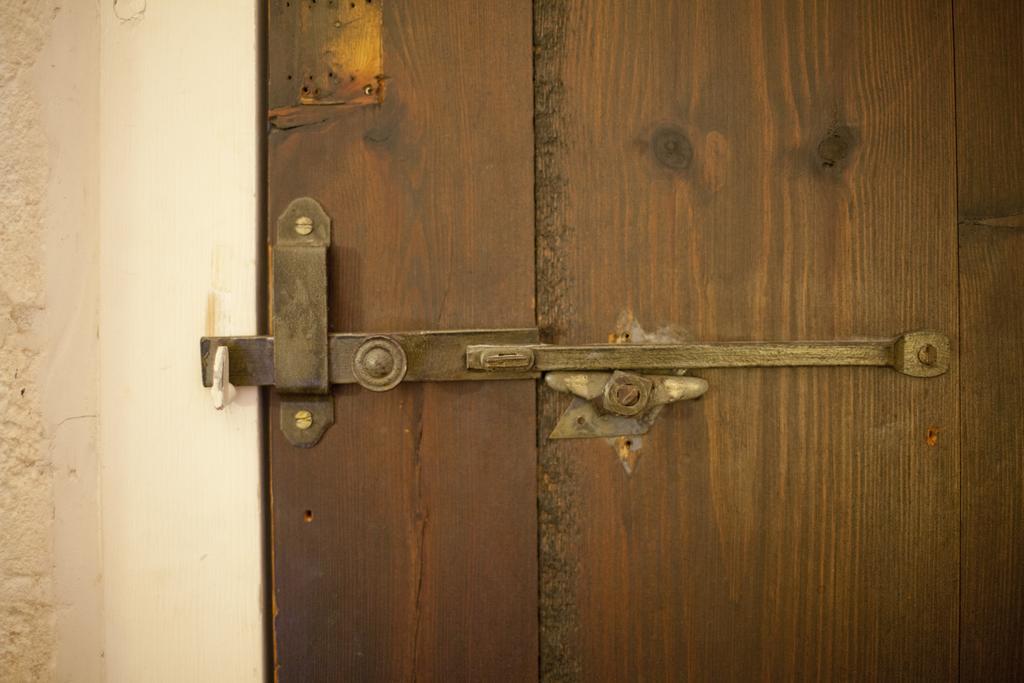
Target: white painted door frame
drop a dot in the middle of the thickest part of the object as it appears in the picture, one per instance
(180, 482)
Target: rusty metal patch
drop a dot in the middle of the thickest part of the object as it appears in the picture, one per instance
(323, 56)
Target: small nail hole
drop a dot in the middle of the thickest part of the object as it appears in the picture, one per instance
(308, 516)
(581, 420)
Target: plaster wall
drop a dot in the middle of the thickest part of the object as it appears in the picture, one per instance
(50, 578)
(130, 538)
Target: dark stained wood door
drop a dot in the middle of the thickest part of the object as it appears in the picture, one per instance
(404, 544)
(737, 170)
(754, 170)
(990, 183)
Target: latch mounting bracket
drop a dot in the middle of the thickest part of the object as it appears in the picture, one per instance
(299, 321)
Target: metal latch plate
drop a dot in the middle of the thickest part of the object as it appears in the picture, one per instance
(299, 321)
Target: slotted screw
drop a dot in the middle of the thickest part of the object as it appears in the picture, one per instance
(627, 394)
(303, 419)
(927, 354)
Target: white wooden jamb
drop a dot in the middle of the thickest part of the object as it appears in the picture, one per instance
(180, 481)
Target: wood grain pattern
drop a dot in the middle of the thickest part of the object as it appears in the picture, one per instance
(990, 128)
(751, 170)
(405, 543)
(992, 368)
(990, 135)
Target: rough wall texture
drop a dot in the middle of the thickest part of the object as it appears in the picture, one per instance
(27, 623)
(49, 547)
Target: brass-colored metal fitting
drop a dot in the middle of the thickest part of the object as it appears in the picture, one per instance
(627, 393)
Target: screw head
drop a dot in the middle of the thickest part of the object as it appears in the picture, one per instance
(368, 90)
(627, 394)
(303, 419)
(303, 225)
(927, 354)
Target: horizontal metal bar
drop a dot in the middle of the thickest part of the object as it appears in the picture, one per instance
(432, 356)
(458, 355)
(919, 354)
(724, 355)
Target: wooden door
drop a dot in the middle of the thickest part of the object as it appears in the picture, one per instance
(404, 544)
(738, 170)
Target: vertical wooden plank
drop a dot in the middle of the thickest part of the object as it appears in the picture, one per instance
(990, 128)
(992, 327)
(990, 134)
(405, 542)
(751, 170)
(180, 482)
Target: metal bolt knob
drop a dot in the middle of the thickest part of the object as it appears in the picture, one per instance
(378, 362)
